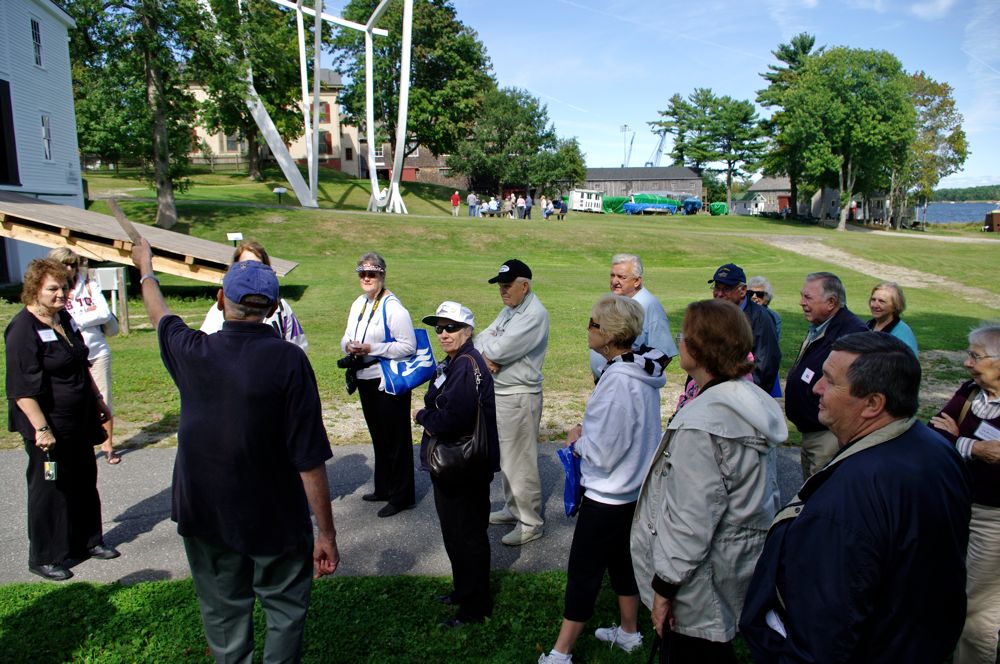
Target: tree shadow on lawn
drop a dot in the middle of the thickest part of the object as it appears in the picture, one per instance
(52, 626)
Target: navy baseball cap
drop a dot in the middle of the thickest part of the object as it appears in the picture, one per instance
(250, 278)
(730, 275)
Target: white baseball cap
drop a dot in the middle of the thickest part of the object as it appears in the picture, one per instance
(452, 311)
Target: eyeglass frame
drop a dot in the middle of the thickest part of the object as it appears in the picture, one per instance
(450, 328)
(976, 357)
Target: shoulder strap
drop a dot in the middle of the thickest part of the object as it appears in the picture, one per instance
(385, 322)
(967, 405)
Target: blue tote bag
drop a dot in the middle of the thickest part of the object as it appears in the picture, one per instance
(573, 489)
(404, 374)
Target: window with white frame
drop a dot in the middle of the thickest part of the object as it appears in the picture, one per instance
(379, 152)
(36, 38)
(47, 137)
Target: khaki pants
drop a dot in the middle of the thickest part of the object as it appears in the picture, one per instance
(818, 447)
(518, 418)
(978, 643)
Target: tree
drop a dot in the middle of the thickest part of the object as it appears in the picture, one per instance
(135, 43)
(559, 168)
(940, 147)
(687, 121)
(851, 112)
(450, 73)
(510, 138)
(735, 137)
(259, 35)
(784, 157)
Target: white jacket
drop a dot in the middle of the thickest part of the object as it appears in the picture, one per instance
(365, 325)
(707, 503)
(621, 427)
(86, 304)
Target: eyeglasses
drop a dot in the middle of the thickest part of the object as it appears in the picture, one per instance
(450, 328)
(723, 288)
(757, 293)
(593, 326)
(369, 275)
(976, 357)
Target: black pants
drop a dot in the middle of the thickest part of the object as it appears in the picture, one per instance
(464, 512)
(600, 542)
(681, 649)
(388, 419)
(64, 515)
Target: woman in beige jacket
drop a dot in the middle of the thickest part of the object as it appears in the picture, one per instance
(710, 494)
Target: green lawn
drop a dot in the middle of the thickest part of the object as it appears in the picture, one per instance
(436, 257)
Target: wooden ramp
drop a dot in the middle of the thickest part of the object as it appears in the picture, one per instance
(100, 237)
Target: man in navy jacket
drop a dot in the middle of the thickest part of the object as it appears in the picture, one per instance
(867, 563)
(824, 304)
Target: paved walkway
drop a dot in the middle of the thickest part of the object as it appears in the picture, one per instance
(136, 509)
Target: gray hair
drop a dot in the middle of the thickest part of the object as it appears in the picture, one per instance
(885, 365)
(629, 258)
(251, 309)
(832, 286)
(372, 258)
(620, 318)
(760, 283)
(987, 336)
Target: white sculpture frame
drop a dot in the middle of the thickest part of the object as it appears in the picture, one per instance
(389, 200)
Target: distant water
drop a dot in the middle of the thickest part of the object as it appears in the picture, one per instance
(941, 213)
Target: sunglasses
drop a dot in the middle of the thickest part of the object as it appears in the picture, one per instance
(593, 326)
(369, 275)
(757, 293)
(450, 328)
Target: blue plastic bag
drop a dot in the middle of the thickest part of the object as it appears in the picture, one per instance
(573, 489)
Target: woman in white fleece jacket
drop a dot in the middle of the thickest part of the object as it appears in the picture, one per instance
(615, 443)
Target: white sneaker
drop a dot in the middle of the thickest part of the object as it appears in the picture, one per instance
(501, 517)
(521, 535)
(616, 636)
(554, 658)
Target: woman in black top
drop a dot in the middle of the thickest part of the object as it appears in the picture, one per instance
(55, 406)
(450, 411)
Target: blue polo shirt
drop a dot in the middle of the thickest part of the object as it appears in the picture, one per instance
(250, 423)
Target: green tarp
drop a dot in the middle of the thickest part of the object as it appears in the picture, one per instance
(715, 209)
(613, 204)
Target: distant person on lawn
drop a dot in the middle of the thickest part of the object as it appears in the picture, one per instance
(251, 461)
(456, 201)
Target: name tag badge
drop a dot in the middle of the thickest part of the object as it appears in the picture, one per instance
(987, 431)
(440, 380)
(47, 335)
(807, 375)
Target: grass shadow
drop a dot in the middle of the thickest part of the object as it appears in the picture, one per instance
(153, 433)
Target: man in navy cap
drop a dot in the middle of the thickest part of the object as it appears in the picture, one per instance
(514, 349)
(730, 283)
(251, 461)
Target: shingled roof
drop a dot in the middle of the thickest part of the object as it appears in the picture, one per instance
(642, 173)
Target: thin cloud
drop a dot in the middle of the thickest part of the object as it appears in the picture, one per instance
(557, 100)
(981, 47)
(932, 9)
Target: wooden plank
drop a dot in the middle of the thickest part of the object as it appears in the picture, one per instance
(123, 221)
(43, 223)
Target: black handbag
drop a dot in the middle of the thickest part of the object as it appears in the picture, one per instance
(463, 458)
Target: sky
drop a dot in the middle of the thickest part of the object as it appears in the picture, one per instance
(599, 65)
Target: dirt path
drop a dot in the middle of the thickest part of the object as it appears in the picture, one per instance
(807, 246)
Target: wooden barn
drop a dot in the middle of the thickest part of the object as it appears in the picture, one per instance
(678, 182)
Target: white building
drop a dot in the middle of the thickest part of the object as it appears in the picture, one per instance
(38, 147)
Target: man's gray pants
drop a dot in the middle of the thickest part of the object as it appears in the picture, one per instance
(226, 582)
(518, 419)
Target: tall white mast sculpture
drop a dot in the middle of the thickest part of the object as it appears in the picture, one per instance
(307, 193)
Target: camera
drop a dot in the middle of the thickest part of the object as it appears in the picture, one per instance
(354, 362)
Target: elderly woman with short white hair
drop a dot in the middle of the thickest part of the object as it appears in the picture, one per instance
(971, 421)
